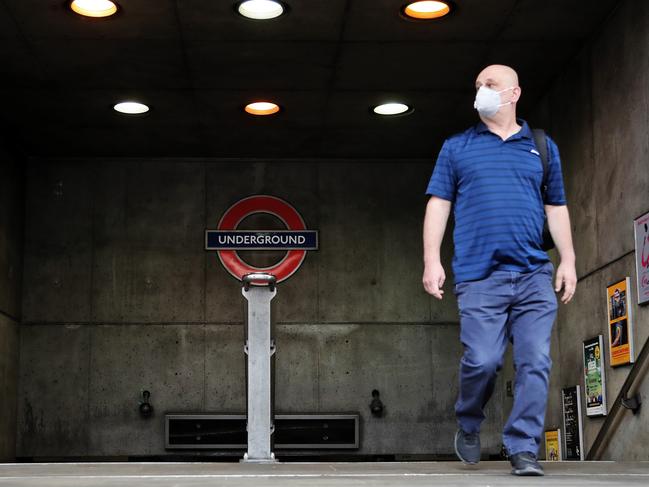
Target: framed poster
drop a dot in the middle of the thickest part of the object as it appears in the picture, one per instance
(553, 445)
(620, 326)
(572, 424)
(594, 380)
(641, 231)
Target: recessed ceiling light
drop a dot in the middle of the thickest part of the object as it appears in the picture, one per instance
(261, 9)
(94, 8)
(391, 109)
(262, 108)
(427, 10)
(131, 108)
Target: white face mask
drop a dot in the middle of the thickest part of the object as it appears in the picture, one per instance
(487, 101)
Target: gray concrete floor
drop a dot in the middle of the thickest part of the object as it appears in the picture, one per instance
(316, 474)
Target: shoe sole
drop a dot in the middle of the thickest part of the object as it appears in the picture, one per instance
(457, 452)
(528, 472)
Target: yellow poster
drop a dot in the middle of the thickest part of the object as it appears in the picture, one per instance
(620, 331)
(553, 445)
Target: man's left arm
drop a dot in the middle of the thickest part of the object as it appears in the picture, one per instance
(559, 225)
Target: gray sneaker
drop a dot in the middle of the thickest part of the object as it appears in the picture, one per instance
(525, 463)
(467, 447)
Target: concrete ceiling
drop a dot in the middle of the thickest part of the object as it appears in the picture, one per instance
(196, 63)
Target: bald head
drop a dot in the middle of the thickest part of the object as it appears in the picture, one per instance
(504, 81)
(498, 74)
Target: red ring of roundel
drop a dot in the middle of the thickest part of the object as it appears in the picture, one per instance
(262, 204)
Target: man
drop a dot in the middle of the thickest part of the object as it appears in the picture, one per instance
(492, 175)
(617, 305)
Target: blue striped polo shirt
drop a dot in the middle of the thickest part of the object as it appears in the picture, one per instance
(495, 186)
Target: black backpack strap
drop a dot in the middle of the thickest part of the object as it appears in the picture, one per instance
(542, 146)
(541, 143)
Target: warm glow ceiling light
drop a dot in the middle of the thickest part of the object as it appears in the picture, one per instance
(427, 10)
(261, 9)
(131, 108)
(391, 109)
(94, 8)
(262, 108)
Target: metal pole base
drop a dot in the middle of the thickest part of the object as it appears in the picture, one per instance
(272, 459)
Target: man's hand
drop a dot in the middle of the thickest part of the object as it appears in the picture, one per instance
(433, 279)
(559, 224)
(566, 278)
(437, 212)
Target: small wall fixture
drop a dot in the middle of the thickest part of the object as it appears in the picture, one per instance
(94, 8)
(131, 108)
(426, 10)
(146, 409)
(261, 9)
(633, 403)
(376, 406)
(262, 108)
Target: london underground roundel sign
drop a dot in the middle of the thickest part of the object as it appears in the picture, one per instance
(296, 240)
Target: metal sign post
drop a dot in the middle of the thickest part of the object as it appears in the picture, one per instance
(259, 290)
(259, 347)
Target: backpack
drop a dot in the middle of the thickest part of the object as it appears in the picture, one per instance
(542, 146)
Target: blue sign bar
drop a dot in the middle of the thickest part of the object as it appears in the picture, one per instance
(261, 240)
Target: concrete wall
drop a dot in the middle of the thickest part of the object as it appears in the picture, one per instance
(120, 296)
(11, 245)
(598, 112)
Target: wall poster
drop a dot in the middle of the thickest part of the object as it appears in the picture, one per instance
(572, 424)
(620, 326)
(594, 380)
(641, 230)
(553, 445)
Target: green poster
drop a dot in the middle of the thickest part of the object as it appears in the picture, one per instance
(594, 382)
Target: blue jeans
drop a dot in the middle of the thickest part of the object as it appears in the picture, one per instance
(516, 307)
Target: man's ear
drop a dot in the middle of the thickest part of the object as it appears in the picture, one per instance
(516, 94)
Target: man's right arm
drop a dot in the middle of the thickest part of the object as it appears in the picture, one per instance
(437, 213)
